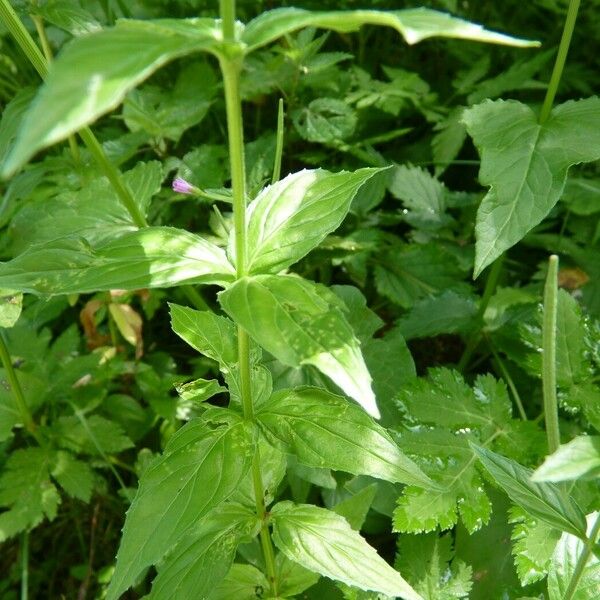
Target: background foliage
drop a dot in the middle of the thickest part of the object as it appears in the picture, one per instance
(455, 363)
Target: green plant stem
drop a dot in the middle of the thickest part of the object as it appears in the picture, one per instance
(24, 40)
(113, 175)
(25, 565)
(17, 392)
(279, 143)
(582, 560)
(549, 355)
(561, 57)
(231, 66)
(490, 289)
(511, 384)
(39, 62)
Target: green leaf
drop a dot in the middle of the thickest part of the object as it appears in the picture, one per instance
(355, 508)
(545, 501)
(324, 542)
(423, 196)
(407, 273)
(579, 459)
(325, 431)
(199, 390)
(325, 121)
(90, 435)
(301, 323)
(68, 16)
(108, 64)
(150, 257)
(427, 563)
(413, 24)
(200, 468)
(448, 140)
(533, 545)
(74, 476)
(525, 164)
(449, 312)
(292, 578)
(12, 116)
(203, 557)
(209, 334)
(291, 217)
(11, 304)
(26, 491)
(243, 582)
(564, 563)
(94, 212)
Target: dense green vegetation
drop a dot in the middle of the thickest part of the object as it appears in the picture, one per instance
(303, 308)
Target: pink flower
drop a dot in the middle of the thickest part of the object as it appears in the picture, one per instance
(181, 186)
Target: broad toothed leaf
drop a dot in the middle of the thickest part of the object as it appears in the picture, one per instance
(194, 475)
(301, 323)
(291, 217)
(324, 542)
(525, 164)
(324, 430)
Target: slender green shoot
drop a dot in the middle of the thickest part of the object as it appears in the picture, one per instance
(279, 143)
(549, 355)
(17, 393)
(25, 565)
(561, 57)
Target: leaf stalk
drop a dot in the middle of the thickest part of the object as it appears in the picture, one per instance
(561, 57)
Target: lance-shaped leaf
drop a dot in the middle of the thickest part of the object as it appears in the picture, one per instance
(107, 65)
(578, 459)
(200, 468)
(210, 334)
(291, 217)
(326, 431)
(324, 542)
(204, 556)
(525, 164)
(546, 501)
(301, 323)
(149, 257)
(413, 24)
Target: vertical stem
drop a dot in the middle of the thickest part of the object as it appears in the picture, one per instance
(25, 565)
(231, 66)
(279, 143)
(561, 57)
(582, 560)
(17, 392)
(549, 355)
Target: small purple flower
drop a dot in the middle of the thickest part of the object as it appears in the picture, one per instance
(181, 186)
